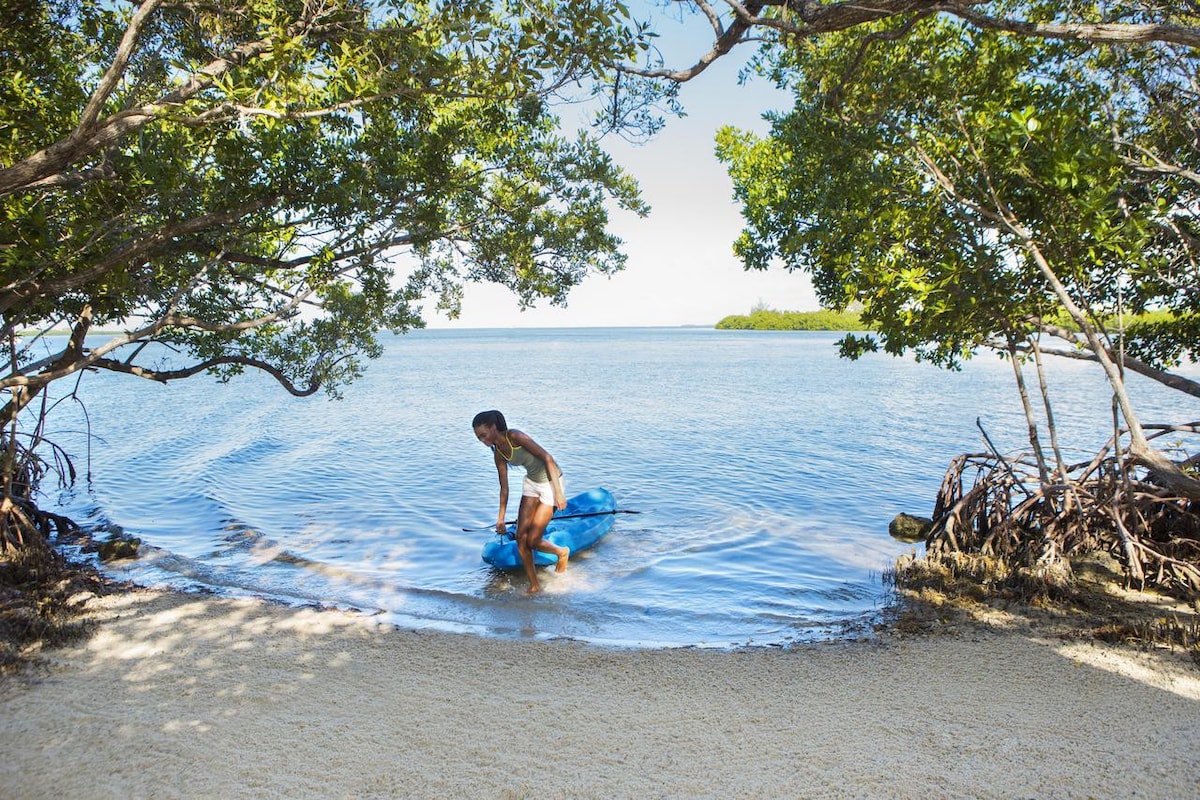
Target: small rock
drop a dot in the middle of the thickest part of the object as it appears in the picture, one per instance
(80, 599)
(908, 528)
(114, 549)
(1098, 567)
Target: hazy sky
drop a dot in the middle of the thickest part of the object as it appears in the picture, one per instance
(681, 268)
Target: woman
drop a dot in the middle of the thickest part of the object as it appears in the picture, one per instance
(541, 493)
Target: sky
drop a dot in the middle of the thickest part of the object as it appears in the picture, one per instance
(681, 268)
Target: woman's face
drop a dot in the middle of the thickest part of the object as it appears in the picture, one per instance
(487, 434)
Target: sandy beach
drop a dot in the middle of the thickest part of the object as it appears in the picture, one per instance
(191, 696)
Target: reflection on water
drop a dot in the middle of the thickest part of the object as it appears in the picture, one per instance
(765, 468)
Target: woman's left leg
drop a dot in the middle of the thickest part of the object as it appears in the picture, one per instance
(532, 520)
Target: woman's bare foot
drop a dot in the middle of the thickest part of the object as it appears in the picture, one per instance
(563, 555)
(534, 589)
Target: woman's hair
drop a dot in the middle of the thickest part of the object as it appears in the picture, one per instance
(490, 418)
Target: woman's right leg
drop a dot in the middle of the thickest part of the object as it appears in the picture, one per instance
(532, 520)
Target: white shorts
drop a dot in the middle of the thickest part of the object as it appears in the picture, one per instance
(542, 491)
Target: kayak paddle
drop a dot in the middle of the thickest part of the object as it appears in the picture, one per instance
(561, 516)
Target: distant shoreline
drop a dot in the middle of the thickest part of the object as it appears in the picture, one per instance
(765, 319)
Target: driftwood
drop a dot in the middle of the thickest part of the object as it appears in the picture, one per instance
(1004, 508)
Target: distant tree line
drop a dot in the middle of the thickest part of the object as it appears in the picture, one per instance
(766, 319)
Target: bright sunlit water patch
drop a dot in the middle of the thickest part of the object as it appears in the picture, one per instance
(765, 469)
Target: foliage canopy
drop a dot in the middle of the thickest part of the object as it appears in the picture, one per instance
(918, 167)
(266, 183)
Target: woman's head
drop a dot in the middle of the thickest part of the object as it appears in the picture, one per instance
(489, 427)
(493, 418)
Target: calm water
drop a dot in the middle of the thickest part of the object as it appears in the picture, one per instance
(765, 468)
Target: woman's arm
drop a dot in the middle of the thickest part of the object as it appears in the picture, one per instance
(502, 471)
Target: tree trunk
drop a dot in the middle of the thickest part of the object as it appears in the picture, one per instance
(1165, 470)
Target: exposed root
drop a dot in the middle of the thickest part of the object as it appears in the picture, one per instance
(987, 507)
(1096, 550)
(41, 593)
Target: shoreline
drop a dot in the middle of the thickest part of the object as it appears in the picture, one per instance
(183, 695)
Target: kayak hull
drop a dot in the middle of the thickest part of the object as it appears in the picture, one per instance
(575, 532)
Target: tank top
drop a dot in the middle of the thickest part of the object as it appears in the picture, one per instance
(535, 468)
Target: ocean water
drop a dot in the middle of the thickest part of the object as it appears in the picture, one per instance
(765, 470)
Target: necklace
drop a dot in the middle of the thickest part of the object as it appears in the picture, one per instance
(511, 449)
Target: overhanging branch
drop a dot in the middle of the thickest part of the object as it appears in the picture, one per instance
(1097, 32)
(163, 376)
(793, 18)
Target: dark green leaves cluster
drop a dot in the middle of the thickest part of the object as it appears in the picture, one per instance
(924, 161)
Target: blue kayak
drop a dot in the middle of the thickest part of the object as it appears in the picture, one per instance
(580, 525)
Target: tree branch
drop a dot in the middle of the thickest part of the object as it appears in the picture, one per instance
(23, 391)
(806, 18)
(144, 247)
(1158, 167)
(163, 376)
(73, 359)
(41, 169)
(112, 76)
(1169, 379)
(724, 42)
(1098, 32)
